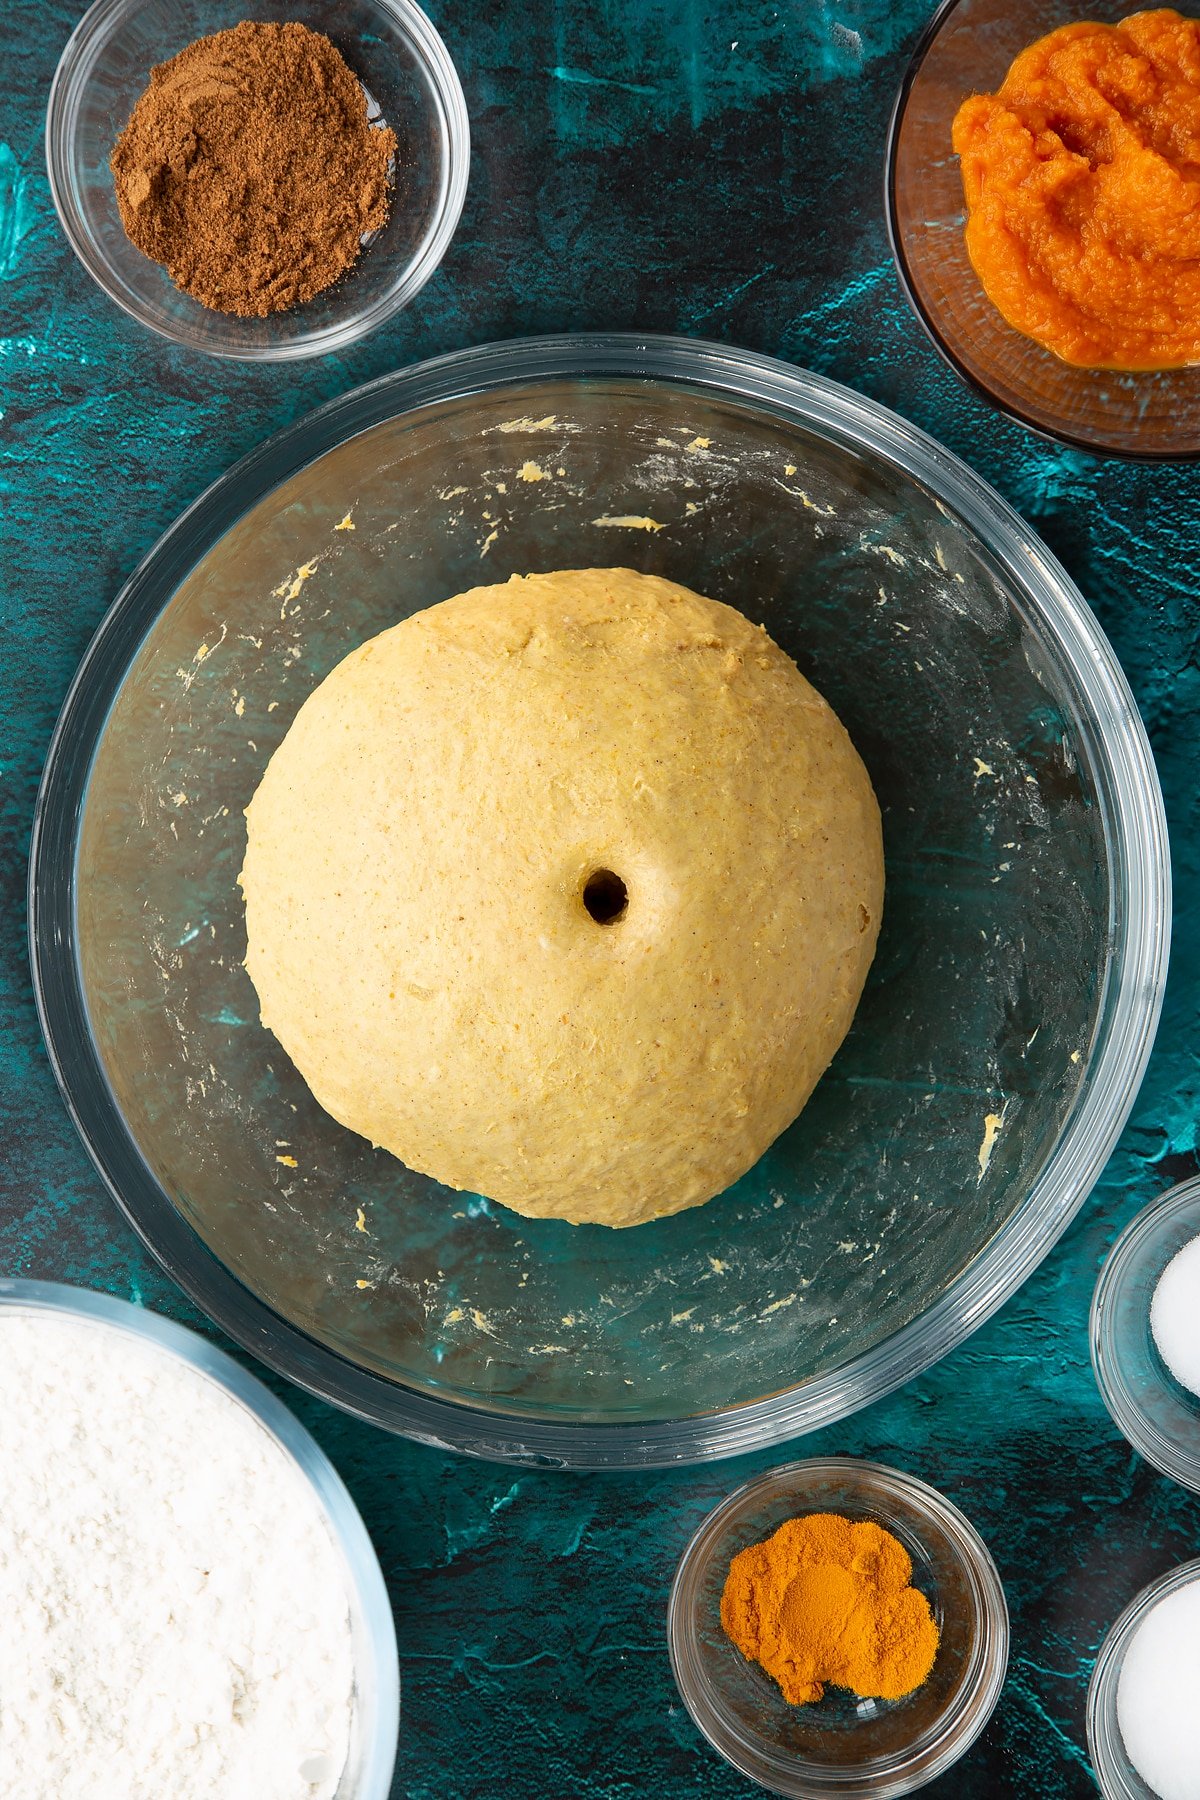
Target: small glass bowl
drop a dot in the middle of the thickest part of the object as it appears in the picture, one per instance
(408, 76)
(1160, 1418)
(967, 48)
(842, 1745)
(1116, 1775)
(376, 1715)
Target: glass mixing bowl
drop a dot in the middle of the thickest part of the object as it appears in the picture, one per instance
(410, 83)
(997, 1048)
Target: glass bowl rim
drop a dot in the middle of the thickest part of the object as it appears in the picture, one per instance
(930, 32)
(970, 1709)
(67, 87)
(329, 1492)
(1169, 1458)
(1129, 798)
(1101, 1706)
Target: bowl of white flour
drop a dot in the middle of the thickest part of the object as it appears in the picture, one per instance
(191, 1603)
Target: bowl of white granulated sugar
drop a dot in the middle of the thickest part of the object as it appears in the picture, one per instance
(191, 1604)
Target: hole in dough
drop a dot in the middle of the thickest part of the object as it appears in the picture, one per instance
(605, 896)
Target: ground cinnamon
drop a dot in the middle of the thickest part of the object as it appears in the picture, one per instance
(829, 1600)
(249, 169)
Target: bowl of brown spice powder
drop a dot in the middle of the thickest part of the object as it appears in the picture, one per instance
(261, 188)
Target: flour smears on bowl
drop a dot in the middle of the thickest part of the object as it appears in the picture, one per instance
(175, 1619)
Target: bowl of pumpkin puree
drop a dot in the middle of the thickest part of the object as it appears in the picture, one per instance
(1043, 197)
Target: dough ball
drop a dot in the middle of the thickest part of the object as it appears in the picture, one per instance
(564, 891)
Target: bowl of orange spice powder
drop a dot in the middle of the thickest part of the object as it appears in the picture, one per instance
(1040, 188)
(837, 1627)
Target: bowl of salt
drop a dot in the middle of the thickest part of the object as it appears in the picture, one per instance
(1143, 1727)
(1145, 1333)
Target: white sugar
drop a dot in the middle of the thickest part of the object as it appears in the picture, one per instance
(175, 1623)
(1156, 1696)
(1175, 1318)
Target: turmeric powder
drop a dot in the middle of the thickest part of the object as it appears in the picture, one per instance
(826, 1599)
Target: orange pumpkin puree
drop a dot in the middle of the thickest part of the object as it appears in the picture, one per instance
(1082, 181)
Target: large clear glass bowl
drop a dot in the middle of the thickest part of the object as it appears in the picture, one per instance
(998, 1046)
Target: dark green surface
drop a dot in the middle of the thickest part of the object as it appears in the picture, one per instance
(657, 167)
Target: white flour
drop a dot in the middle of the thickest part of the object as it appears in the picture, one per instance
(173, 1615)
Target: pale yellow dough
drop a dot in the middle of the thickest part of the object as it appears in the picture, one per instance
(418, 852)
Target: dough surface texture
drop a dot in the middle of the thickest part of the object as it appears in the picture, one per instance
(423, 849)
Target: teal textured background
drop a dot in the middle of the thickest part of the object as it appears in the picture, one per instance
(656, 165)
